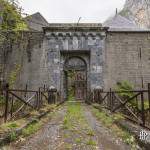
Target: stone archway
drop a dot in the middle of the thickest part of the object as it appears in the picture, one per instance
(75, 69)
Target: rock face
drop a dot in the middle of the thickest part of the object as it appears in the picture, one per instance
(137, 11)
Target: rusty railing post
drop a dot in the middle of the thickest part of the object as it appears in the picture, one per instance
(44, 87)
(6, 101)
(142, 109)
(149, 95)
(110, 98)
(26, 88)
(12, 105)
(37, 99)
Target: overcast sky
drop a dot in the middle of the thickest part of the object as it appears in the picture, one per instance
(64, 11)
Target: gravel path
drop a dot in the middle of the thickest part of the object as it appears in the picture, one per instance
(104, 137)
(47, 138)
(52, 136)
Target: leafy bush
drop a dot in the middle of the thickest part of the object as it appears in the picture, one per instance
(123, 87)
(2, 101)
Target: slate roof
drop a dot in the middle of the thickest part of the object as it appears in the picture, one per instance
(36, 22)
(120, 23)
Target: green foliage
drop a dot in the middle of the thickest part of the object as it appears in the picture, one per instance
(13, 136)
(71, 76)
(91, 142)
(31, 129)
(110, 121)
(124, 13)
(13, 75)
(123, 87)
(11, 16)
(77, 127)
(126, 86)
(78, 140)
(12, 125)
(2, 100)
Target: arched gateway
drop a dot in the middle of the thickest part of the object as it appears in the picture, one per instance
(75, 58)
(75, 69)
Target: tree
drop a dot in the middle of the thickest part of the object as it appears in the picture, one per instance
(11, 22)
(10, 16)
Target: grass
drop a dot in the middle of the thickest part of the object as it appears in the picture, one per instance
(73, 113)
(13, 136)
(109, 121)
(91, 142)
(76, 126)
(90, 133)
(10, 127)
(31, 129)
(37, 124)
(78, 140)
(146, 104)
(7, 127)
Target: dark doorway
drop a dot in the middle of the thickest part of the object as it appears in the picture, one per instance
(76, 76)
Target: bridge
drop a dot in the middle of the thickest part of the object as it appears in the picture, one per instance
(73, 123)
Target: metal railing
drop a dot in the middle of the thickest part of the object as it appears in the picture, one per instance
(135, 107)
(18, 103)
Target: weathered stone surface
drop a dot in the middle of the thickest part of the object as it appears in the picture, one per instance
(122, 58)
(138, 11)
(111, 56)
(75, 44)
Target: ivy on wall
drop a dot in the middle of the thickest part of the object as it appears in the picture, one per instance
(13, 75)
(11, 25)
(10, 16)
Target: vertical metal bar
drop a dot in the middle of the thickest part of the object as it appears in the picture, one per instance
(26, 88)
(137, 102)
(12, 104)
(112, 101)
(44, 87)
(37, 98)
(142, 109)
(110, 98)
(149, 95)
(41, 98)
(6, 104)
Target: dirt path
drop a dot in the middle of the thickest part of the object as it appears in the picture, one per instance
(73, 127)
(47, 138)
(104, 137)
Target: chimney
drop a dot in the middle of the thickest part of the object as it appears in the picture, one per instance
(116, 11)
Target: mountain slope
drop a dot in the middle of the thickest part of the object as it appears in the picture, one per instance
(138, 11)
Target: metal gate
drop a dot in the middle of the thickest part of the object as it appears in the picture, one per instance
(80, 85)
(76, 77)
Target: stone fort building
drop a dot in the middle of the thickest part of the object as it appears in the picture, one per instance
(99, 55)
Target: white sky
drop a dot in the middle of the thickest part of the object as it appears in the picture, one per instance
(64, 11)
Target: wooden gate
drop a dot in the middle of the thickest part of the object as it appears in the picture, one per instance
(80, 85)
(76, 77)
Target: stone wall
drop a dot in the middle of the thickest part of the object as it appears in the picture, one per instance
(127, 57)
(111, 57)
(90, 45)
(25, 59)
